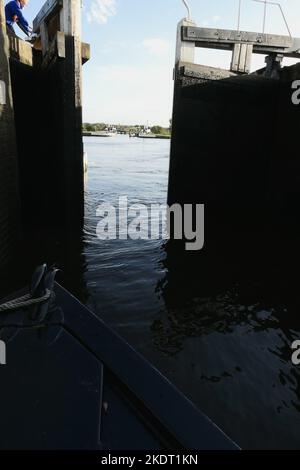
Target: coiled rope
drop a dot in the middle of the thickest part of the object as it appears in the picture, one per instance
(24, 301)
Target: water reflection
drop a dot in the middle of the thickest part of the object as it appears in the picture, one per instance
(234, 313)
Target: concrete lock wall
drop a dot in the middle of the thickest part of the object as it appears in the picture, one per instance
(49, 136)
(223, 131)
(235, 149)
(41, 148)
(285, 169)
(235, 143)
(9, 194)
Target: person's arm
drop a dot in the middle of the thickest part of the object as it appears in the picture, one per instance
(22, 22)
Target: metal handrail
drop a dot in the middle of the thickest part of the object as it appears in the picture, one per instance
(267, 2)
(188, 9)
(239, 15)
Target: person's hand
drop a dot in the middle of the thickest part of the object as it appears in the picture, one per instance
(32, 39)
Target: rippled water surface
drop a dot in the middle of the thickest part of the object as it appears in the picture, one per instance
(220, 327)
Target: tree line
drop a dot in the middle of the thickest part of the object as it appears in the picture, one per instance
(101, 126)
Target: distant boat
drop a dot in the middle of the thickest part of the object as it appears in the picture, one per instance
(105, 133)
(108, 132)
(99, 134)
(145, 135)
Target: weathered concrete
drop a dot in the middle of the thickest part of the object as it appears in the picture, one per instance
(48, 112)
(20, 50)
(185, 51)
(284, 176)
(234, 149)
(9, 197)
(234, 136)
(223, 135)
(223, 39)
(41, 149)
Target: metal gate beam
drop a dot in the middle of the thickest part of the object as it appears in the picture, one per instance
(226, 40)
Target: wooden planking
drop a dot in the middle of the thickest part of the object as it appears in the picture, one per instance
(85, 52)
(56, 49)
(48, 8)
(44, 37)
(59, 16)
(241, 58)
(70, 18)
(70, 15)
(233, 36)
(20, 50)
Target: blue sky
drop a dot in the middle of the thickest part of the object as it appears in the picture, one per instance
(129, 77)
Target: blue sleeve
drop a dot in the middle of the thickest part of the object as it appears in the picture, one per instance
(21, 19)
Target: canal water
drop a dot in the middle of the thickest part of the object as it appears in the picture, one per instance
(224, 338)
(219, 324)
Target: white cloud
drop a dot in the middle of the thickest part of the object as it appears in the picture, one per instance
(101, 10)
(157, 46)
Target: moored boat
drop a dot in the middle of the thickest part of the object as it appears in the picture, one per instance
(70, 382)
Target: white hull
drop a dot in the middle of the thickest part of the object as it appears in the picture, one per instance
(106, 134)
(147, 136)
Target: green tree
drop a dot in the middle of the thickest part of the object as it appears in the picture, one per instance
(157, 130)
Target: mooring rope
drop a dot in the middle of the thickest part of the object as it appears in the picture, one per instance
(24, 301)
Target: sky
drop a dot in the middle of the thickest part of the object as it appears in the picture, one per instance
(129, 79)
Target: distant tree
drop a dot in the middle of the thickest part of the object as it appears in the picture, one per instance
(157, 130)
(160, 130)
(100, 126)
(88, 127)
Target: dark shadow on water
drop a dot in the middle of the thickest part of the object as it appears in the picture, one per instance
(253, 269)
(231, 315)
